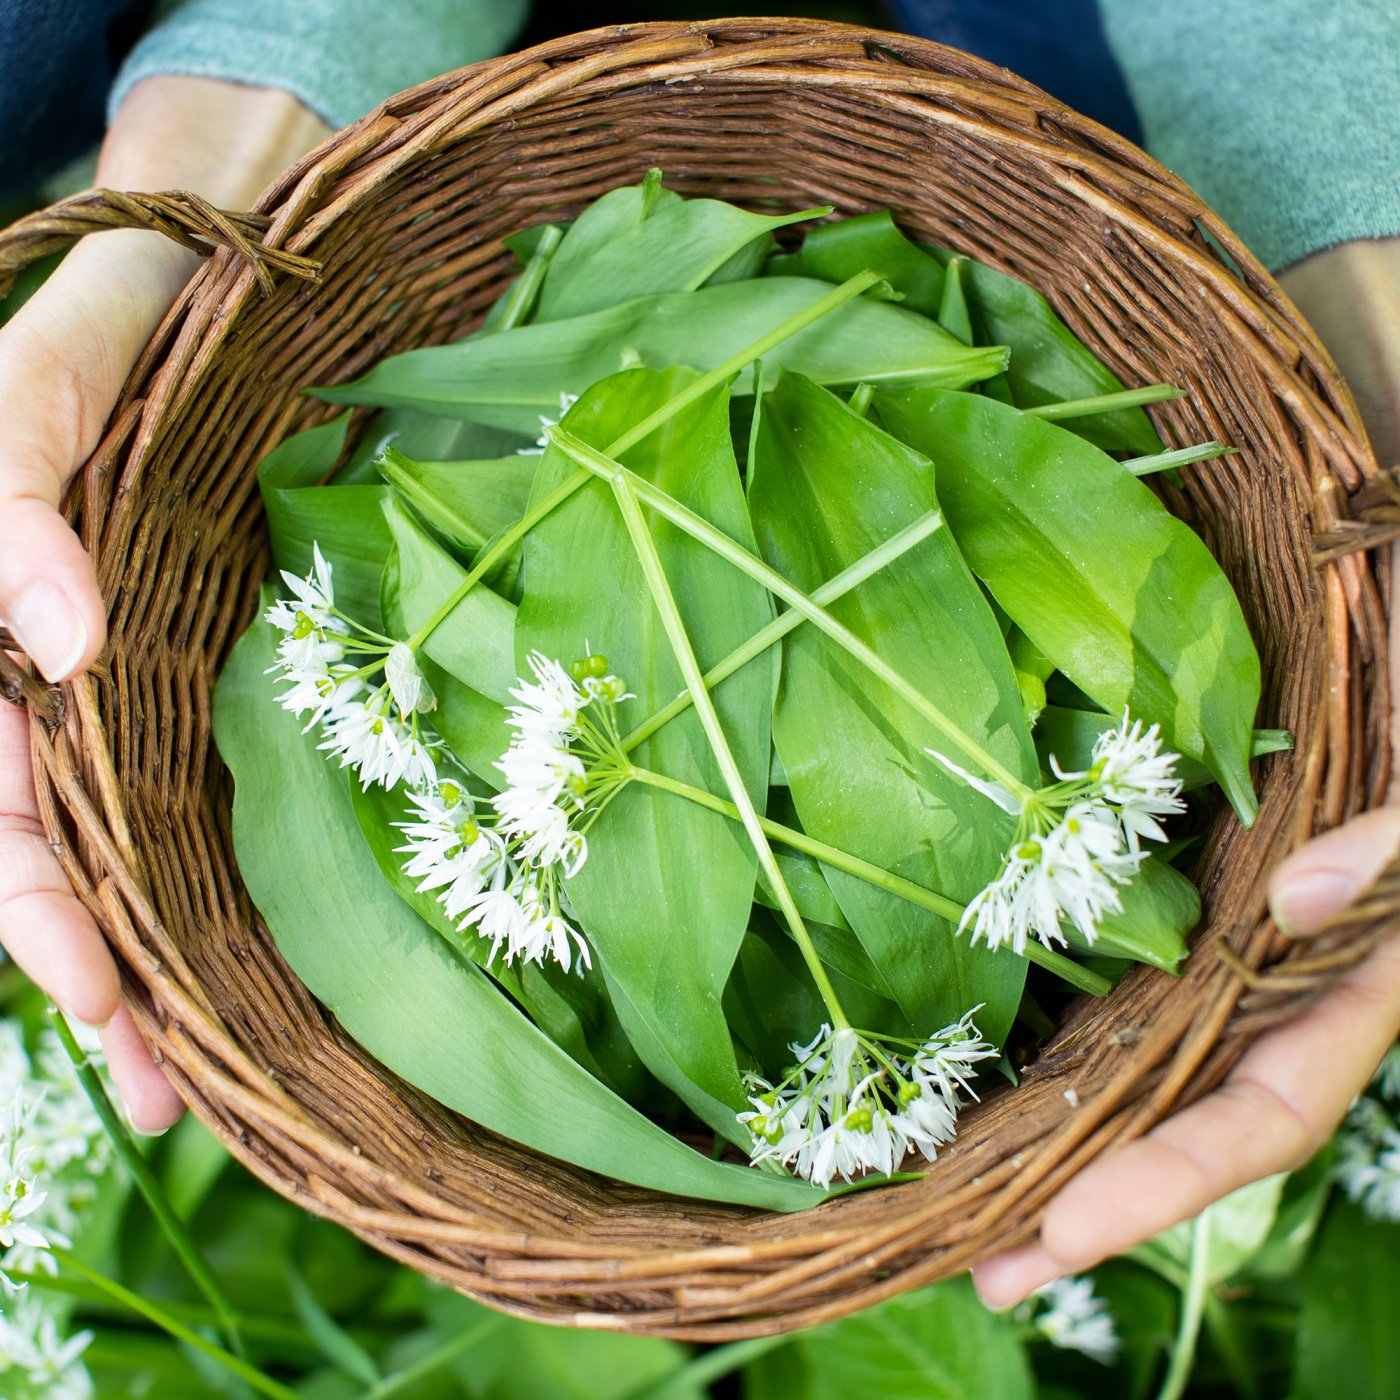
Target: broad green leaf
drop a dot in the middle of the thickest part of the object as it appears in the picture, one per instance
(1049, 363)
(513, 378)
(828, 487)
(953, 313)
(427, 437)
(839, 250)
(1300, 1210)
(666, 892)
(1238, 1225)
(1160, 907)
(633, 243)
(937, 1344)
(347, 521)
(1123, 598)
(395, 986)
(1348, 1343)
(476, 640)
(467, 503)
(772, 1003)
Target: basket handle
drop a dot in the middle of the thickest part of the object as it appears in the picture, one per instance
(183, 217)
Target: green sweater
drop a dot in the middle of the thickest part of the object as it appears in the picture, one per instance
(1283, 114)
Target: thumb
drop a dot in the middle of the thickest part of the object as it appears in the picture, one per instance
(48, 587)
(1330, 873)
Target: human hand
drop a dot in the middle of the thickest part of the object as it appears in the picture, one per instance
(63, 360)
(1275, 1110)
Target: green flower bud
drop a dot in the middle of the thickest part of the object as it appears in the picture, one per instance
(450, 793)
(578, 669)
(596, 666)
(1028, 850)
(304, 627)
(859, 1120)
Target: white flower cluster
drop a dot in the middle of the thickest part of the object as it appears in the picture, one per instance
(1074, 1319)
(566, 402)
(1368, 1146)
(502, 873)
(374, 730)
(856, 1103)
(1077, 841)
(52, 1151)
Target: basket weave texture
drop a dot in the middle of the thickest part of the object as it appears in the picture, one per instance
(403, 211)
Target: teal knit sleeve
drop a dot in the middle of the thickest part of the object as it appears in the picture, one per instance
(1283, 114)
(340, 57)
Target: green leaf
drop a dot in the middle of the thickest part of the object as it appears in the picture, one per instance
(839, 250)
(937, 1344)
(476, 641)
(620, 248)
(1123, 598)
(467, 503)
(953, 313)
(347, 521)
(1348, 1343)
(1160, 907)
(1049, 364)
(826, 488)
(666, 892)
(426, 437)
(396, 987)
(335, 1343)
(1239, 1225)
(512, 378)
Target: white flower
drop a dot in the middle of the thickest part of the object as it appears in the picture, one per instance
(1073, 870)
(550, 704)
(377, 745)
(1137, 778)
(1076, 1320)
(852, 1104)
(35, 1361)
(406, 681)
(20, 1198)
(566, 402)
(1387, 1076)
(1367, 1166)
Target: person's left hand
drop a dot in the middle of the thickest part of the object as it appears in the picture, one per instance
(1287, 1094)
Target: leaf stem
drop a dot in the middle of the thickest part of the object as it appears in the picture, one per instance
(828, 593)
(152, 1312)
(145, 1180)
(1183, 1354)
(1106, 403)
(604, 466)
(1178, 457)
(520, 299)
(1063, 967)
(676, 634)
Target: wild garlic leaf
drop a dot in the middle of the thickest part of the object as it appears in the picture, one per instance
(656, 861)
(346, 521)
(1125, 599)
(828, 487)
(467, 503)
(514, 378)
(637, 242)
(430, 1016)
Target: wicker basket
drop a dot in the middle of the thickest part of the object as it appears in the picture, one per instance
(403, 212)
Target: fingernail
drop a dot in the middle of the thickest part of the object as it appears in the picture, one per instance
(1310, 899)
(146, 1132)
(47, 625)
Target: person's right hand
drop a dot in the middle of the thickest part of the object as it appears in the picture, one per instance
(63, 360)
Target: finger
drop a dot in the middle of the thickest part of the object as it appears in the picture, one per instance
(42, 924)
(1328, 874)
(151, 1103)
(1273, 1112)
